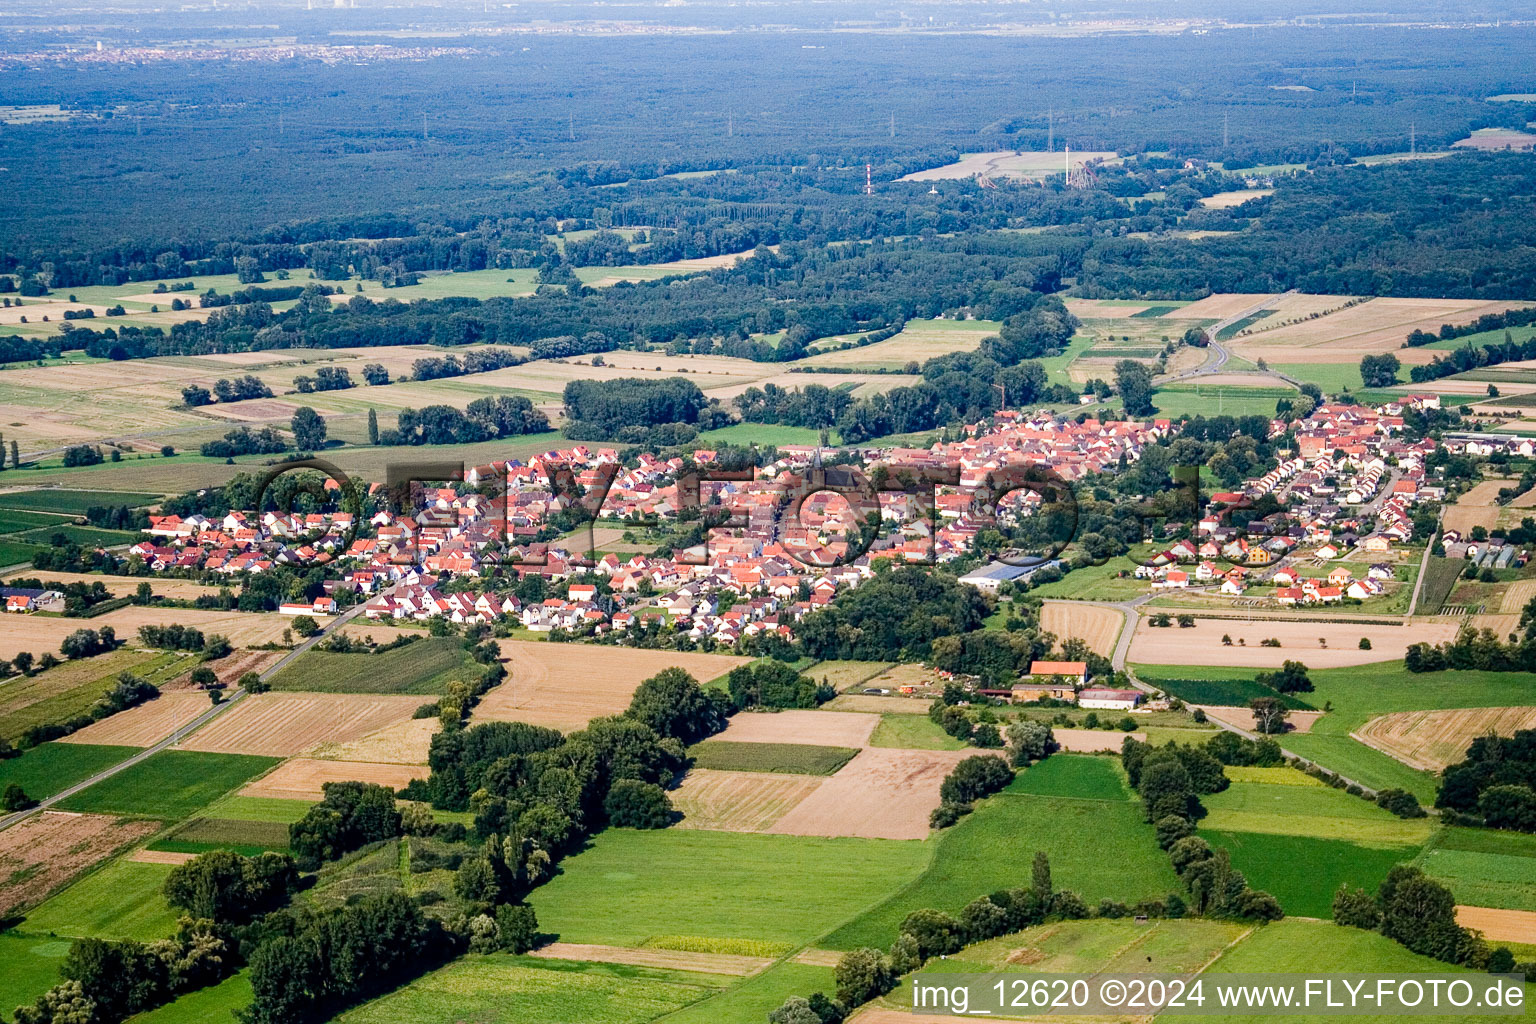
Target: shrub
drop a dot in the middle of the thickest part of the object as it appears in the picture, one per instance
(861, 975)
(1400, 802)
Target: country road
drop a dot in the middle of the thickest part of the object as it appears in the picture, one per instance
(1218, 355)
(180, 734)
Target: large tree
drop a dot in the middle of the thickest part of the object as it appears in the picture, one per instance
(1133, 381)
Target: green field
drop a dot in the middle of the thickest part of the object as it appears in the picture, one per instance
(121, 901)
(785, 758)
(14, 553)
(261, 808)
(1218, 400)
(1073, 775)
(630, 885)
(170, 785)
(1235, 693)
(15, 522)
(85, 536)
(426, 666)
(73, 502)
(1364, 691)
(215, 1004)
(750, 1000)
(912, 732)
(523, 990)
(1319, 812)
(1484, 868)
(1270, 862)
(69, 689)
(1094, 583)
(203, 834)
(765, 435)
(1440, 577)
(1299, 947)
(1333, 378)
(44, 770)
(31, 968)
(1100, 848)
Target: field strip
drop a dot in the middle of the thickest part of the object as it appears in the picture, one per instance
(671, 959)
(1499, 925)
(160, 857)
(818, 957)
(1517, 597)
(820, 728)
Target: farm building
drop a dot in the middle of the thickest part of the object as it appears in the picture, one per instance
(1109, 700)
(990, 577)
(1074, 672)
(1027, 691)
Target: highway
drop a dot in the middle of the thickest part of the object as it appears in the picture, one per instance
(214, 711)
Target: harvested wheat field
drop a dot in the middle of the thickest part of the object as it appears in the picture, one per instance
(119, 586)
(37, 634)
(821, 728)
(1433, 739)
(146, 724)
(1096, 626)
(1502, 625)
(230, 668)
(666, 959)
(1242, 717)
(739, 801)
(285, 724)
(1091, 741)
(160, 857)
(875, 705)
(1379, 325)
(1222, 305)
(303, 778)
(920, 340)
(1499, 925)
(1477, 507)
(401, 743)
(565, 686)
(1237, 197)
(1517, 597)
(881, 794)
(1201, 644)
(41, 853)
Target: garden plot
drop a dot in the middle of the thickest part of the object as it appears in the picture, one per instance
(882, 794)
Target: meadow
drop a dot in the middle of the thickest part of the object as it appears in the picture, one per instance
(1484, 868)
(751, 1000)
(215, 1004)
(630, 885)
(785, 758)
(120, 901)
(1270, 862)
(990, 849)
(503, 989)
(45, 770)
(170, 785)
(1068, 775)
(912, 732)
(424, 667)
(31, 967)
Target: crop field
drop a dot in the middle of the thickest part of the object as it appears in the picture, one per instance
(1433, 739)
(285, 724)
(1237, 197)
(170, 785)
(1303, 641)
(69, 689)
(38, 634)
(256, 808)
(990, 849)
(1361, 693)
(636, 884)
(1092, 741)
(1269, 861)
(1096, 626)
(735, 801)
(524, 990)
(1085, 778)
(912, 732)
(1316, 812)
(51, 499)
(121, 901)
(565, 687)
(146, 724)
(402, 743)
(882, 794)
(1378, 325)
(1499, 925)
(1223, 692)
(1519, 593)
(1034, 165)
(200, 835)
(426, 666)
(1483, 867)
(45, 770)
(920, 340)
(303, 778)
(783, 758)
(42, 853)
(814, 728)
